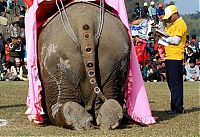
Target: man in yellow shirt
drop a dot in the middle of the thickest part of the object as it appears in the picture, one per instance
(176, 31)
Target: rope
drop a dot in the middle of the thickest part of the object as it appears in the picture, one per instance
(67, 27)
(101, 20)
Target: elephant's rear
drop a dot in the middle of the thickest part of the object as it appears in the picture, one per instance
(64, 69)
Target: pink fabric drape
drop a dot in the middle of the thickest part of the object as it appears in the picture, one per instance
(34, 110)
(136, 96)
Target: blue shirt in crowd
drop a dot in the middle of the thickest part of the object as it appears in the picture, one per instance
(160, 12)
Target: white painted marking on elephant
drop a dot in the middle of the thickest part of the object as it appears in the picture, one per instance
(3, 122)
(63, 65)
(58, 83)
(43, 49)
(126, 48)
(51, 49)
(56, 106)
(55, 109)
(43, 55)
(59, 88)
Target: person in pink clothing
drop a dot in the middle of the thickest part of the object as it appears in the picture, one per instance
(161, 51)
(136, 97)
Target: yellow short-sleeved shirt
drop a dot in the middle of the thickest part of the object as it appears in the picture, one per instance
(178, 28)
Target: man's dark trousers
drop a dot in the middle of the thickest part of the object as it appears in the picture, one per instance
(174, 72)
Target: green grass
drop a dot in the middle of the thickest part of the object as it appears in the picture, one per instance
(12, 108)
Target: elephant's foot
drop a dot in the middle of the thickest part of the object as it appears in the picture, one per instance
(109, 115)
(76, 116)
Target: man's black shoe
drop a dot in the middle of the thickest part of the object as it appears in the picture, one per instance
(171, 112)
(180, 111)
(174, 112)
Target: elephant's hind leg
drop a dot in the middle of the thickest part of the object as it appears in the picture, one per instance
(76, 116)
(109, 115)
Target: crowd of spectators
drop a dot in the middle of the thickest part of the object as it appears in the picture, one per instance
(13, 59)
(151, 55)
(152, 12)
(12, 44)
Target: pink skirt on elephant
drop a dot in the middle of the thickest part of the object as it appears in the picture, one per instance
(136, 96)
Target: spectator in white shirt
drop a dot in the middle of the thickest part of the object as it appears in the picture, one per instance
(192, 71)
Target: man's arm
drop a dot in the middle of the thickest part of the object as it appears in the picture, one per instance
(175, 40)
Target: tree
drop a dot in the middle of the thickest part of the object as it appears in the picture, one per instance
(192, 21)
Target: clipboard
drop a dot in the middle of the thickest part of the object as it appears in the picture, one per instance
(162, 33)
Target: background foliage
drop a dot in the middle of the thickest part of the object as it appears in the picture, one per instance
(193, 23)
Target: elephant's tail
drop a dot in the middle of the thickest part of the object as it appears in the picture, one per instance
(88, 51)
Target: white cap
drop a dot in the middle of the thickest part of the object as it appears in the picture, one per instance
(169, 10)
(145, 4)
(152, 3)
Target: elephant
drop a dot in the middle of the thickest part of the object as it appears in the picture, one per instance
(84, 81)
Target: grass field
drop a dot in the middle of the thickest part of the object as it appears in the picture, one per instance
(12, 108)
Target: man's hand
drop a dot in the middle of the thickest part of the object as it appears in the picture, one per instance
(158, 35)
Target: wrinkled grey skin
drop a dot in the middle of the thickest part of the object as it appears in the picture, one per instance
(64, 77)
